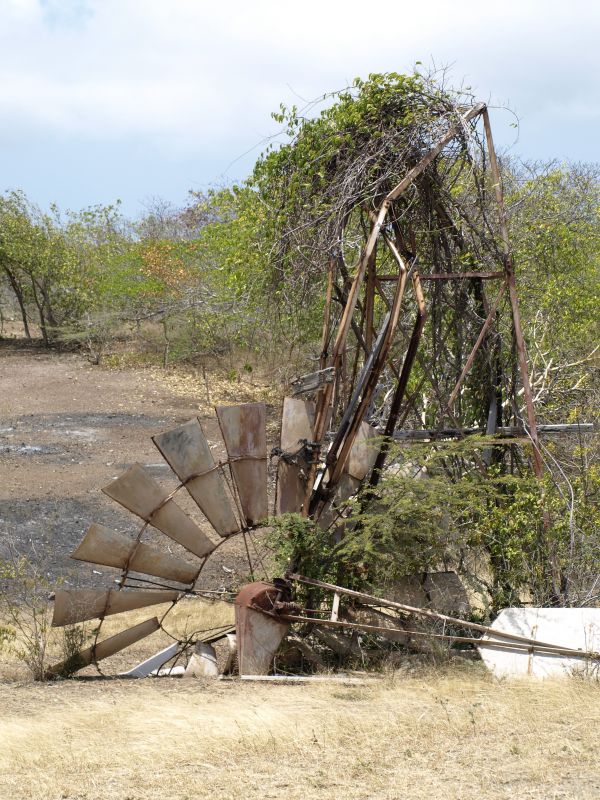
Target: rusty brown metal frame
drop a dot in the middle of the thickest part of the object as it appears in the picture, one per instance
(377, 350)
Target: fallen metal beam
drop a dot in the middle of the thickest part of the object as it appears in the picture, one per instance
(538, 464)
(524, 643)
(426, 434)
(407, 366)
(422, 612)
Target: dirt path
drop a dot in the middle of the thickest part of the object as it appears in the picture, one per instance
(66, 429)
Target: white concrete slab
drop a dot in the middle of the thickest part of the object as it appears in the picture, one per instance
(572, 628)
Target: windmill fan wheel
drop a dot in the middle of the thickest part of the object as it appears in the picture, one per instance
(231, 494)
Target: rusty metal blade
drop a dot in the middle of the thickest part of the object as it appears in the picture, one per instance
(188, 453)
(297, 422)
(106, 648)
(244, 433)
(139, 493)
(104, 546)
(78, 605)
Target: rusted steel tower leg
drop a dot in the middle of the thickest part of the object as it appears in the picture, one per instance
(538, 465)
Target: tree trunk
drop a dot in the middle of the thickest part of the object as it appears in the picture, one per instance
(18, 291)
(40, 309)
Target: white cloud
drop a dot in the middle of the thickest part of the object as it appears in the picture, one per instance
(203, 77)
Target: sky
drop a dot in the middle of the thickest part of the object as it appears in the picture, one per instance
(133, 99)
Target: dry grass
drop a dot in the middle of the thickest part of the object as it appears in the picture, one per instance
(218, 388)
(453, 735)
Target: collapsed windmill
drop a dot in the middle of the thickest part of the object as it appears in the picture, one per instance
(337, 430)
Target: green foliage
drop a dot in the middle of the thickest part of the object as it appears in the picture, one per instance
(74, 639)
(299, 544)
(507, 535)
(297, 180)
(556, 231)
(53, 265)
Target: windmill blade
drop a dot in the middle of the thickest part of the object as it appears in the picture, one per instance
(245, 436)
(363, 452)
(104, 546)
(78, 605)
(106, 648)
(361, 461)
(297, 422)
(188, 453)
(139, 493)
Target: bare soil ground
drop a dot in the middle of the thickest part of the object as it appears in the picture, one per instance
(67, 428)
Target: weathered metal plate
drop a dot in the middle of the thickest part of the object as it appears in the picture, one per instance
(313, 381)
(188, 453)
(108, 647)
(104, 546)
(297, 422)
(203, 662)
(244, 433)
(363, 452)
(573, 628)
(78, 605)
(361, 460)
(257, 635)
(145, 668)
(138, 492)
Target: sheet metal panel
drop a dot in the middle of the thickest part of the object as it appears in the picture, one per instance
(108, 647)
(188, 453)
(297, 422)
(79, 605)
(569, 628)
(102, 545)
(156, 661)
(138, 492)
(244, 433)
(363, 452)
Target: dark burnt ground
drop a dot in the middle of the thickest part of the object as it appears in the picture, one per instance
(66, 430)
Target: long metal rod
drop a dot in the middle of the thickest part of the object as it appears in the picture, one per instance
(461, 276)
(407, 366)
(423, 612)
(338, 461)
(327, 316)
(360, 386)
(425, 434)
(357, 331)
(530, 645)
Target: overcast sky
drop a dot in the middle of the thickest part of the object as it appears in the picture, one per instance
(107, 99)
